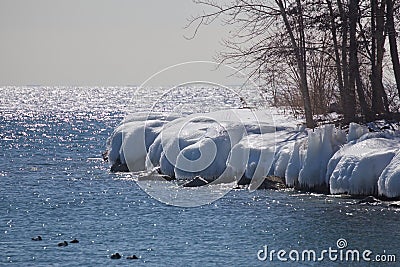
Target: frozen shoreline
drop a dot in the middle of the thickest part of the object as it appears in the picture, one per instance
(244, 145)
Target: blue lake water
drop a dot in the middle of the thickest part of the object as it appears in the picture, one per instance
(53, 183)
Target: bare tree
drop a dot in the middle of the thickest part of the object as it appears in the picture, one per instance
(391, 32)
(379, 98)
(307, 44)
(254, 42)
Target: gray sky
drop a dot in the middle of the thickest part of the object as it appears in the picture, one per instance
(97, 42)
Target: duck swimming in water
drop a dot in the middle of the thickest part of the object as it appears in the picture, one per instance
(115, 256)
(63, 244)
(38, 238)
(133, 257)
(74, 241)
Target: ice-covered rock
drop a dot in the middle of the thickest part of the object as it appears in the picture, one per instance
(355, 168)
(356, 131)
(322, 144)
(282, 159)
(194, 146)
(389, 180)
(294, 165)
(130, 141)
(231, 145)
(207, 145)
(253, 155)
(268, 153)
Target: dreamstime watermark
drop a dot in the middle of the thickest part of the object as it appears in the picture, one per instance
(339, 253)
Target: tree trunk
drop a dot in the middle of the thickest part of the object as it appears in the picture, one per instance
(338, 65)
(353, 44)
(380, 45)
(349, 99)
(361, 96)
(391, 32)
(354, 70)
(379, 97)
(300, 56)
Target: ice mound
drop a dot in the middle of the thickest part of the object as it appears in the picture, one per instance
(228, 143)
(129, 142)
(249, 152)
(207, 145)
(322, 143)
(244, 144)
(356, 168)
(282, 160)
(389, 180)
(356, 131)
(285, 142)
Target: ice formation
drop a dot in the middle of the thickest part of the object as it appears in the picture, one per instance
(322, 144)
(130, 141)
(236, 144)
(389, 180)
(355, 168)
(209, 145)
(294, 165)
(356, 131)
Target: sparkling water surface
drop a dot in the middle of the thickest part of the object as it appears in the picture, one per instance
(53, 183)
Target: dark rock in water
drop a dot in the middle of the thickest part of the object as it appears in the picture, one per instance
(119, 167)
(115, 256)
(272, 182)
(104, 155)
(196, 182)
(74, 241)
(319, 189)
(167, 177)
(38, 238)
(369, 200)
(155, 177)
(133, 257)
(63, 244)
(244, 181)
(394, 205)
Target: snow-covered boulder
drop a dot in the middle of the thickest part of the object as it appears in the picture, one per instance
(389, 180)
(355, 168)
(282, 159)
(231, 145)
(294, 166)
(253, 155)
(130, 141)
(207, 145)
(322, 144)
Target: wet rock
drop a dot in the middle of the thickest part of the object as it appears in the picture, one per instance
(155, 177)
(119, 167)
(395, 204)
(244, 181)
(369, 200)
(196, 182)
(104, 155)
(273, 182)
